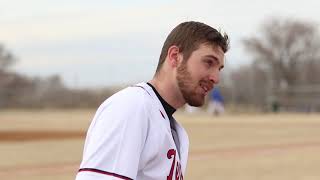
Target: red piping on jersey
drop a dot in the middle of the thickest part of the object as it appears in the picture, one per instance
(104, 172)
(141, 87)
(162, 114)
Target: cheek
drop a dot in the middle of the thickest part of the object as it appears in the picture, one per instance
(201, 76)
(197, 72)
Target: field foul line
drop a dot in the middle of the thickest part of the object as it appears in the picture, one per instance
(235, 152)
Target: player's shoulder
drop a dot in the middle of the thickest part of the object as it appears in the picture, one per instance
(137, 95)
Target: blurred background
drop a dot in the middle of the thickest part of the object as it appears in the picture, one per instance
(59, 60)
(77, 53)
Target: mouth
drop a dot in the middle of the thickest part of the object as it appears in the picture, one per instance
(206, 88)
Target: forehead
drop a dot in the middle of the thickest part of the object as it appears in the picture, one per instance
(205, 50)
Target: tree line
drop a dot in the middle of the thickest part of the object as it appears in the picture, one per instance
(20, 91)
(285, 70)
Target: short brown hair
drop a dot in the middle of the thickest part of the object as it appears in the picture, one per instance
(189, 35)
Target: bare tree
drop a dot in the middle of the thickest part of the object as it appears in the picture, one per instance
(287, 47)
(6, 58)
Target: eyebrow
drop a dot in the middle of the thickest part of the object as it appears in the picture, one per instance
(211, 56)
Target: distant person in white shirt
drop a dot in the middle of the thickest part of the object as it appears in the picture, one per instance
(133, 134)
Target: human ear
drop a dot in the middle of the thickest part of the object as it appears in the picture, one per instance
(173, 55)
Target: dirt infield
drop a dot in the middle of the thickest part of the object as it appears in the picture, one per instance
(48, 146)
(200, 155)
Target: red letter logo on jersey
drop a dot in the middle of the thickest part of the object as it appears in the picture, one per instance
(178, 176)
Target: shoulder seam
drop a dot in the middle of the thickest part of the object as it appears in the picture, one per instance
(141, 88)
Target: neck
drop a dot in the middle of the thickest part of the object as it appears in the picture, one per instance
(168, 90)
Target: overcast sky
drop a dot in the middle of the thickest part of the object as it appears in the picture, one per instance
(101, 42)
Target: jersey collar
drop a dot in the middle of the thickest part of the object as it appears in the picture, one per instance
(167, 107)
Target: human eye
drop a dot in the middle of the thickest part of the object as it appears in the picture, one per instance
(208, 62)
(220, 68)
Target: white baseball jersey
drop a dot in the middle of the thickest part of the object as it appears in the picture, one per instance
(130, 138)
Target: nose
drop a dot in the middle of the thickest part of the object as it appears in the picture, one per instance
(215, 77)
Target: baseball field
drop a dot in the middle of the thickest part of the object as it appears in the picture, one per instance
(47, 145)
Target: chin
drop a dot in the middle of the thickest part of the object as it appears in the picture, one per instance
(196, 102)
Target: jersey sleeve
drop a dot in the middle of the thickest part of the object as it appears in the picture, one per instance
(115, 140)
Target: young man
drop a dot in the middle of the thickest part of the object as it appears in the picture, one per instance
(133, 134)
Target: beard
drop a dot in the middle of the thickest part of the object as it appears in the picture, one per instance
(188, 87)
